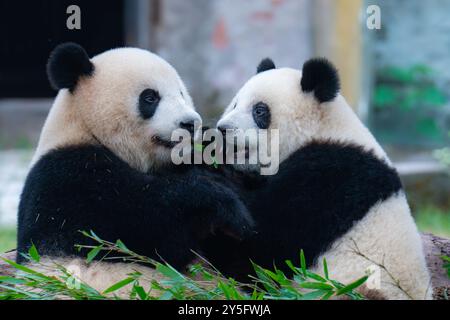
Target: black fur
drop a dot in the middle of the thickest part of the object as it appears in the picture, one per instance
(261, 115)
(148, 102)
(265, 64)
(321, 77)
(319, 193)
(157, 215)
(67, 63)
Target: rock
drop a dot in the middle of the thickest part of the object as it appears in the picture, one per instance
(434, 248)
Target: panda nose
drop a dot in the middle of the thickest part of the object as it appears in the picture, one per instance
(188, 124)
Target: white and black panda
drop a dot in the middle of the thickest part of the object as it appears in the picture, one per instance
(99, 166)
(336, 194)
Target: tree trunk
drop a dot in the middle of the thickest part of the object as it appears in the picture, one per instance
(434, 247)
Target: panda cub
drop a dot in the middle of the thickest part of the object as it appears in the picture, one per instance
(336, 194)
(103, 164)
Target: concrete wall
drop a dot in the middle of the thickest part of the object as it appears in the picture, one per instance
(216, 45)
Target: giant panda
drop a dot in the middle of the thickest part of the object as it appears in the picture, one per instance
(103, 164)
(336, 194)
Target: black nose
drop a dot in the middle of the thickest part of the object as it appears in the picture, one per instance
(188, 124)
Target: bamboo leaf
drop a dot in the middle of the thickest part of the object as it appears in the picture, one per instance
(303, 262)
(316, 285)
(119, 285)
(352, 286)
(93, 253)
(325, 269)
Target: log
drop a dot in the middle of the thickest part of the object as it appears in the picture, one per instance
(434, 248)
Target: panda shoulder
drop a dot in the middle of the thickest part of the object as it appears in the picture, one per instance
(73, 163)
(330, 160)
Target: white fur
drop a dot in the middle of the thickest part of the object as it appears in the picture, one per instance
(104, 108)
(387, 238)
(100, 275)
(387, 234)
(297, 116)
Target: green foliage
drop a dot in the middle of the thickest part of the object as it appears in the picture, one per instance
(202, 282)
(411, 95)
(434, 220)
(7, 239)
(407, 88)
(446, 260)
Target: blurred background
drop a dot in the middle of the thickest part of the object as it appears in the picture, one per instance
(397, 77)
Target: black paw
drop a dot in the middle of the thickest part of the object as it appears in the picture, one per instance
(232, 217)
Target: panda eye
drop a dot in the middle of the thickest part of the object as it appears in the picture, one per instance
(259, 111)
(148, 102)
(261, 115)
(151, 97)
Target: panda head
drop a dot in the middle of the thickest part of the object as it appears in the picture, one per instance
(289, 100)
(127, 99)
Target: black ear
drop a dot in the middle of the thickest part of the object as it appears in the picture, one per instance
(67, 62)
(265, 64)
(321, 77)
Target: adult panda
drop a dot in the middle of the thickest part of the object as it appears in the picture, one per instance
(103, 164)
(336, 194)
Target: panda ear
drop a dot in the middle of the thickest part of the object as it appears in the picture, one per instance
(321, 77)
(67, 63)
(264, 65)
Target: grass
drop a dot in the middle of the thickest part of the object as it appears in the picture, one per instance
(209, 283)
(433, 220)
(7, 239)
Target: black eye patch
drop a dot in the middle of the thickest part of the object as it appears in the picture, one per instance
(148, 102)
(261, 115)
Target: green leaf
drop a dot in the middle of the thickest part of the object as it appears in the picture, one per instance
(167, 295)
(119, 285)
(122, 246)
(198, 147)
(327, 295)
(11, 280)
(303, 262)
(140, 292)
(316, 285)
(325, 268)
(291, 266)
(96, 237)
(34, 253)
(314, 295)
(315, 276)
(93, 253)
(215, 164)
(23, 268)
(169, 272)
(351, 286)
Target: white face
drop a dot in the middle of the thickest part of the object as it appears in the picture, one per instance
(132, 103)
(293, 113)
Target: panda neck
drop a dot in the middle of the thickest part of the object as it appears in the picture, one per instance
(63, 127)
(340, 123)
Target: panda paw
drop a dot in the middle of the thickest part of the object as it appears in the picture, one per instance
(234, 220)
(231, 216)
